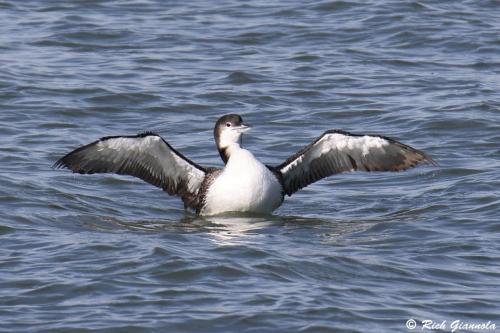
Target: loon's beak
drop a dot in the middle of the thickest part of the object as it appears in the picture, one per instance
(242, 128)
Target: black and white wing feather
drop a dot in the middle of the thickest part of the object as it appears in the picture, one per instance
(338, 151)
(146, 156)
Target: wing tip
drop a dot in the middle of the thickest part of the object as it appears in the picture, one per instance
(61, 163)
(424, 158)
(430, 160)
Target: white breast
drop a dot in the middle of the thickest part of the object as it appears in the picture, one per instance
(245, 185)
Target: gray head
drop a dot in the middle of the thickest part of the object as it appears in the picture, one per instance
(227, 131)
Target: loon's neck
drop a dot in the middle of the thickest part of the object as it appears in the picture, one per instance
(227, 151)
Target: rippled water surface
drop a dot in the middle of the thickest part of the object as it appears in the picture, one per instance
(356, 252)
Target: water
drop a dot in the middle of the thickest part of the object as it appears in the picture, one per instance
(356, 252)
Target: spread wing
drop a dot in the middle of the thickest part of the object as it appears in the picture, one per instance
(338, 151)
(146, 156)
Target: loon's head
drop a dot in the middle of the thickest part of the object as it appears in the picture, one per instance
(228, 131)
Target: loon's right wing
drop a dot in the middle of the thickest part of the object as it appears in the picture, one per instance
(146, 156)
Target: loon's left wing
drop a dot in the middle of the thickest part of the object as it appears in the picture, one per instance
(337, 151)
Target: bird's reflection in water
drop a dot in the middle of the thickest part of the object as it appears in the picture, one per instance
(239, 226)
(228, 227)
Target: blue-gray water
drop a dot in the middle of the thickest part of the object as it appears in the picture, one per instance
(356, 252)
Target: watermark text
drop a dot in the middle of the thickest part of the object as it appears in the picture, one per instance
(449, 326)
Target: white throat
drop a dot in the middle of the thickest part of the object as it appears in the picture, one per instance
(228, 138)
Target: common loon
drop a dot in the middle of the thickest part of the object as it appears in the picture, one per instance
(244, 184)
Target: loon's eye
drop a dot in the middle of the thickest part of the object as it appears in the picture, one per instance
(228, 124)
